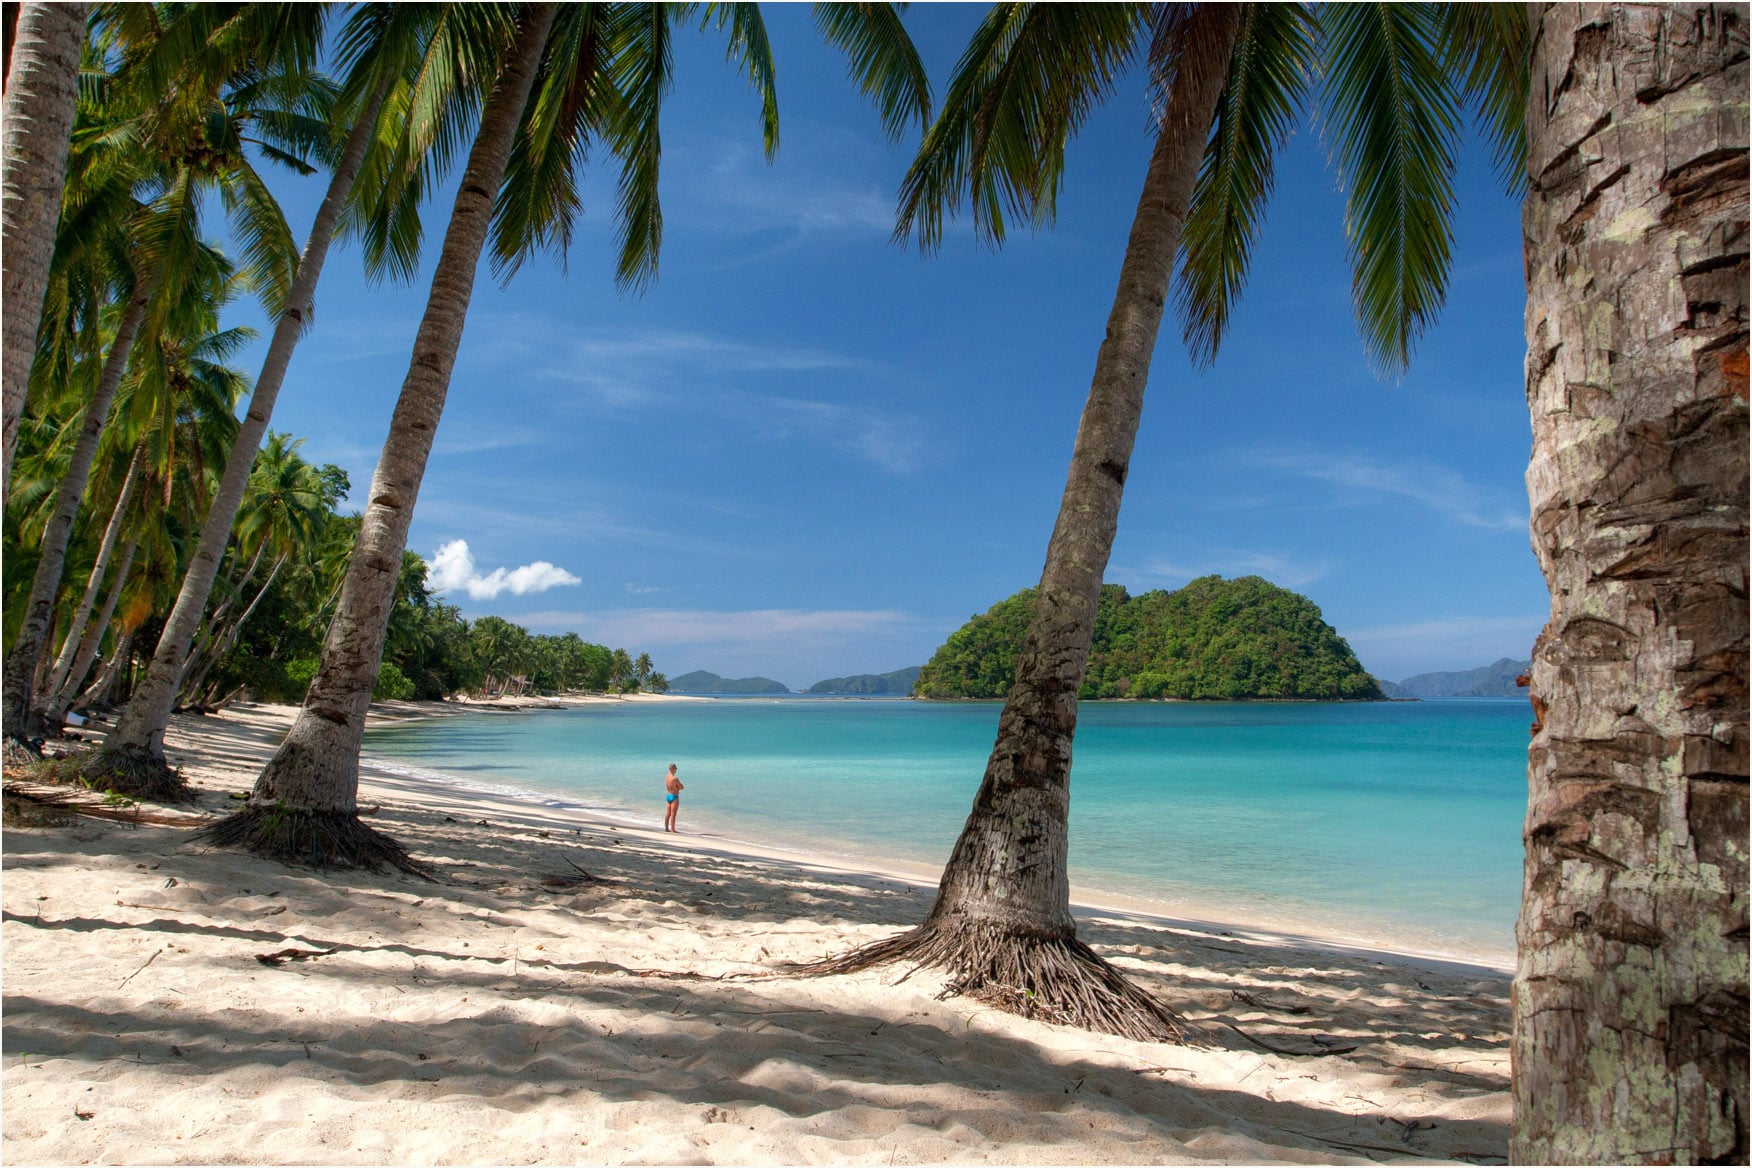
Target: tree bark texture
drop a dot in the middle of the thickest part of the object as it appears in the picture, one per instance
(317, 766)
(27, 649)
(1009, 864)
(41, 90)
(140, 729)
(1630, 1002)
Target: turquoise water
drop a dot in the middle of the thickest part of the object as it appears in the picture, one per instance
(1390, 823)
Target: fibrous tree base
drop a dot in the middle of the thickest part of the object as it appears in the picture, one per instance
(137, 774)
(320, 839)
(1051, 979)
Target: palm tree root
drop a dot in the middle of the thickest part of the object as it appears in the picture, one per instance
(319, 839)
(1050, 979)
(136, 773)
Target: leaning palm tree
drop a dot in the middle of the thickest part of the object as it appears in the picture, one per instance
(180, 149)
(567, 76)
(303, 806)
(1232, 80)
(1630, 1001)
(35, 127)
(382, 46)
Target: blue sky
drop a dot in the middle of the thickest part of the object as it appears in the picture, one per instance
(807, 452)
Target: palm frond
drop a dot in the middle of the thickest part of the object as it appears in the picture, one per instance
(1485, 47)
(1392, 114)
(538, 200)
(750, 49)
(882, 59)
(268, 251)
(1029, 76)
(641, 69)
(1261, 102)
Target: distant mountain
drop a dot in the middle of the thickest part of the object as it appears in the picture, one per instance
(701, 682)
(1496, 680)
(899, 682)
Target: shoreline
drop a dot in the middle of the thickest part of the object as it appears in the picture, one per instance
(574, 991)
(1086, 900)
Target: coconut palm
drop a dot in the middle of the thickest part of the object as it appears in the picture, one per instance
(1232, 80)
(287, 504)
(583, 72)
(1630, 1023)
(181, 150)
(36, 124)
(60, 681)
(382, 46)
(304, 805)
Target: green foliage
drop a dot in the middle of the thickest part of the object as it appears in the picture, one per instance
(1214, 639)
(392, 685)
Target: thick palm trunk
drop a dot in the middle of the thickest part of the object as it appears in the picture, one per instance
(41, 88)
(139, 734)
(27, 650)
(112, 534)
(1002, 920)
(1630, 1029)
(62, 700)
(304, 804)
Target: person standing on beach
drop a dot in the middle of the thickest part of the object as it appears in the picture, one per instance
(672, 797)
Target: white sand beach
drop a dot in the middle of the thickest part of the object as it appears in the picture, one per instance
(576, 991)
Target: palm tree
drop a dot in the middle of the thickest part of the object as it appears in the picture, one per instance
(179, 150)
(304, 804)
(1233, 79)
(61, 681)
(584, 71)
(35, 128)
(1630, 1002)
(383, 43)
(286, 505)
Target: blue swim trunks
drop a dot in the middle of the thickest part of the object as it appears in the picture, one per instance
(669, 798)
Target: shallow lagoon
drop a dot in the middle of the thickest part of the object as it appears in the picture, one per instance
(1392, 823)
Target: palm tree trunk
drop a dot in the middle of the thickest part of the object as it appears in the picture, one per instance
(105, 684)
(21, 663)
(62, 700)
(222, 641)
(106, 549)
(304, 805)
(1630, 1002)
(41, 90)
(1002, 920)
(139, 734)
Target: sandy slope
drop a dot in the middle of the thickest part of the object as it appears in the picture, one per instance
(510, 1015)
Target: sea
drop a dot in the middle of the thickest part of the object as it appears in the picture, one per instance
(1386, 824)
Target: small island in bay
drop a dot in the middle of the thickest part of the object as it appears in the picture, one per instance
(1213, 640)
(701, 681)
(898, 683)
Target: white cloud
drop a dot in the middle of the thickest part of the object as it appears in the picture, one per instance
(1435, 487)
(453, 568)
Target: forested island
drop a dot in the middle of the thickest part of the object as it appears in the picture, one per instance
(1213, 640)
(702, 681)
(898, 683)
